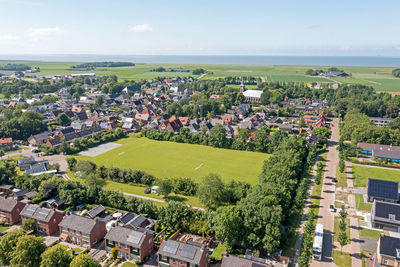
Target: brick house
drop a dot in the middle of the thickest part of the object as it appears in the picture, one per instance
(388, 251)
(6, 143)
(180, 254)
(82, 231)
(386, 216)
(47, 219)
(10, 210)
(382, 190)
(130, 244)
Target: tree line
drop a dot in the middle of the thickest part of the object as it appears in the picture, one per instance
(106, 64)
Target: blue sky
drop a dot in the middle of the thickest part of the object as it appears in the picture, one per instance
(207, 27)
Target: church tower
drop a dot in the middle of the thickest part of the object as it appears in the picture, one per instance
(242, 87)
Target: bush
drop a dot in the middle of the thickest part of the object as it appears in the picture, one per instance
(114, 253)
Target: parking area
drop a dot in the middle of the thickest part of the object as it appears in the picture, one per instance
(98, 150)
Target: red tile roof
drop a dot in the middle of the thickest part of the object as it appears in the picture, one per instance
(5, 140)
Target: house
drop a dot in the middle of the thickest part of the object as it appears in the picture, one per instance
(37, 139)
(64, 94)
(386, 216)
(96, 211)
(384, 152)
(180, 254)
(381, 190)
(10, 210)
(130, 244)
(381, 122)
(388, 251)
(250, 261)
(47, 219)
(82, 231)
(25, 163)
(6, 143)
(54, 203)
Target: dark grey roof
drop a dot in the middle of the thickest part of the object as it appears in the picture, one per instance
(383, 209)
(137, 221)
(383, 189)
(231, 260)
(30, 160)
(78, 223)
(38, 213)
(21, 192)
(95, 211)
(37, 169)
(127, 217)
(182, 251)
(7, 204)
(389, 246)
(126, 236)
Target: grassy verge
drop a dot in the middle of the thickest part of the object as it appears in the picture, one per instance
(369, 233)
(128, 264)
(341, 177)
(337, 230)
(361, 205)
(3, 228)
(342, 259)
(364, 258)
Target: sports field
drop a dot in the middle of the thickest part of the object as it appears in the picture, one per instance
(361, 175)
(378, 77)
(168, 159)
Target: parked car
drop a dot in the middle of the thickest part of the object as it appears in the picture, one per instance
(334, 180)
(332, 208)
(147, 191)
(35, 150)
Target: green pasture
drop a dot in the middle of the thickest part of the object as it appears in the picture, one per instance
(361, 175)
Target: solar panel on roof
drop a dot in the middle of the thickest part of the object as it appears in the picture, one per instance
(188, 252)
(135, 237)
(30, 210)
(171, 247)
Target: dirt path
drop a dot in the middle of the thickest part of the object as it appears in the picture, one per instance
(325, 217)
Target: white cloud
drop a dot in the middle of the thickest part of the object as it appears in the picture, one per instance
(141, 28)
(45, 32)
(5, 38)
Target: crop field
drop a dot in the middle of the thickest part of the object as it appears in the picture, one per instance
(378, 77)
(168, 159)
(361, 175)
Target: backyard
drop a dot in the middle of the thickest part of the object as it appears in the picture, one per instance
(361, 175)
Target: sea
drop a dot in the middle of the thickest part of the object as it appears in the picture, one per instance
(364, 61)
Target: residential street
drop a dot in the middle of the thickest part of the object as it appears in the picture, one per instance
(325, 217)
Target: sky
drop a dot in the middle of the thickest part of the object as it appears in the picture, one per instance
(206, 27)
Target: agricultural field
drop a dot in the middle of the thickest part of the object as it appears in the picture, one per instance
(378, 77)
(361, 175)
(168, 159)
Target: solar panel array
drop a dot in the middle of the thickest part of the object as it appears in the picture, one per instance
(42, 214)
(30, 210)
(171, 247)
(135, 237)
(188, 252)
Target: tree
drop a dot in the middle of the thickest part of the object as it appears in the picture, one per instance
(100, 101)
(165, 187)
(217, 136)
(29, 225)
(56, 256)
(2, 153)
(63, 119)
(211, 191)
(323, 134)
(174, 214)
(341, 165)
(71, 163)
(27, 251)
(342, 238)
(114, 253)
(84, 260)
(7, 245)
(85, 167)
(228, 225)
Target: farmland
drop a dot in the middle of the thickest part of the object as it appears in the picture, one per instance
(378, 77)
(168, 159)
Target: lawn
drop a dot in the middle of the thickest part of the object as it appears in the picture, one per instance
(3, 228)
(342, 259)
(369, 233)
(361, 205)
(341, 177)
(218, 251)
(169, 159)
(128, 264)
(337, 230)
(361, 175)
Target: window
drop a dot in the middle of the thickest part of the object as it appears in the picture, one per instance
(119, 244)
(391, 217)
(385, 261)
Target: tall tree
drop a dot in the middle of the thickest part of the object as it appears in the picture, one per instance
(27, 251)
(211, 191)
(7, 245)
(84, 260)
(56, 256)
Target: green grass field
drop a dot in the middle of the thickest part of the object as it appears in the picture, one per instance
(361, 175)
(378, 77)
(168, 159)
(369, 233)
(361, 205)
(342, 259)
